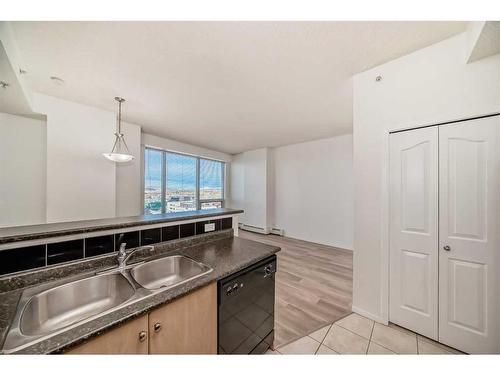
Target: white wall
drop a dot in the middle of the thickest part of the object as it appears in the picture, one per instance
(256, 184)
(429, 86)
(22, 170)
(80, 181)
(236, 178)
(128, 175)
(251, 187)
(270, 186)
(305, 189)
(314, 191)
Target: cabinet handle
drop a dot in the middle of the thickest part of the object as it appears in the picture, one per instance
(447, 248)
(143, 335)
(157, 327)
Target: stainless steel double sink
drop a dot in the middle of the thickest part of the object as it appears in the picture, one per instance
(49, 309)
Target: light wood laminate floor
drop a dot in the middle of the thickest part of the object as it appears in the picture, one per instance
(313, 286)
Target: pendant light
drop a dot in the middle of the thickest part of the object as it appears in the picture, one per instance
(120, 152)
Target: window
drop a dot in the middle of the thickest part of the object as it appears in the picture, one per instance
(211, 184)
(153, 169)
(181, 183)
(175, 182)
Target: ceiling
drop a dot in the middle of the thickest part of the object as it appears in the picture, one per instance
(229, 86)
(487, 42)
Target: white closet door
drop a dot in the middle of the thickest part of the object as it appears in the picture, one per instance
(414, 230)
(469, 225)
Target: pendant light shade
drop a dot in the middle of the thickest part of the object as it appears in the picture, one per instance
(120, 152)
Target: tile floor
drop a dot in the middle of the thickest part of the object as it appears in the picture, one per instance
(355, 334)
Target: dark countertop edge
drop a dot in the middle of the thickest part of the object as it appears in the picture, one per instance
(87, 226)
(169, 296)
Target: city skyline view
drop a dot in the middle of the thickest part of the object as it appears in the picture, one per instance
(181, 176)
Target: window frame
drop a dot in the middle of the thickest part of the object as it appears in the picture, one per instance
(163, 184)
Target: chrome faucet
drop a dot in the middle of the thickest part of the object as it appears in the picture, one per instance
(123, 257)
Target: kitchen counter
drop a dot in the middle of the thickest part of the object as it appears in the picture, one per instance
(223, 252)
(35, 232)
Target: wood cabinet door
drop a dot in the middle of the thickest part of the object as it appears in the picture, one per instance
(187, 325)
(130, 338)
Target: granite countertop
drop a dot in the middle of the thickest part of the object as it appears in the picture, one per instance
(225, 255)
(33, 232)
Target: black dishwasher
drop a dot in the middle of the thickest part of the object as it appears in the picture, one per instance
(246, 309)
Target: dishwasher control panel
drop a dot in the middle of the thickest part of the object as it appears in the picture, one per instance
(236, 284)
(233, 288)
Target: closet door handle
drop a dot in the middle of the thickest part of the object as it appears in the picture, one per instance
(446, 248)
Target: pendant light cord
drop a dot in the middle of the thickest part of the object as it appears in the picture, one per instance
(120, 100)
(120, 117)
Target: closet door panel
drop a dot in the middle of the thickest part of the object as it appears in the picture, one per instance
(469, 224)
(414, 230)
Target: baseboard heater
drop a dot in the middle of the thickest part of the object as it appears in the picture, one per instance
(277, 231)
(253, 228)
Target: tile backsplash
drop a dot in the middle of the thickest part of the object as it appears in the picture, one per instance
(187, 230)
(22, 259)
(132, 239)
(170, 233)
(150, 236)
(227, 223)
(31, 257)
(99, 245)
(66, 251)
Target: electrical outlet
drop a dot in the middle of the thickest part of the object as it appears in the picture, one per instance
(209, 227)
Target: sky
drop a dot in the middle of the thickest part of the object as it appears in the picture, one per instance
(181, 171)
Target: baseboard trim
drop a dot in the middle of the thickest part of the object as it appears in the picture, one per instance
(369, 315)
(251, 228)
(321, 243)
(281, 233)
